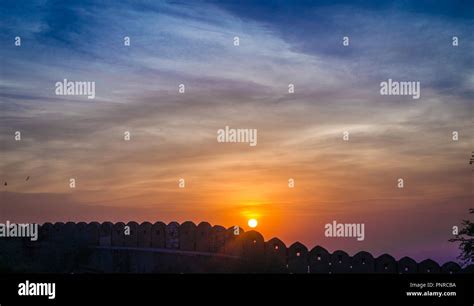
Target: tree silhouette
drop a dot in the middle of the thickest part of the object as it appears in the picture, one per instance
(465, 237)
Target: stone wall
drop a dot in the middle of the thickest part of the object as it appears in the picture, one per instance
(187, 248)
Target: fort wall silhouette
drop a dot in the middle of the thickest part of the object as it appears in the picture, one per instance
(187, 248)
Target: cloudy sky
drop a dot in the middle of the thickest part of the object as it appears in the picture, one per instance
(173, 135)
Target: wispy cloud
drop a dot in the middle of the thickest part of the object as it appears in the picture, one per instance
(173, 135)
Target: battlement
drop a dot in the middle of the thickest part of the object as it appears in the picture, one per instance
(190, 248)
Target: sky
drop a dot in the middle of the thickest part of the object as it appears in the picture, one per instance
(300, 134)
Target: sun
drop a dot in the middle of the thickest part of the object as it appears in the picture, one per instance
(252, 223)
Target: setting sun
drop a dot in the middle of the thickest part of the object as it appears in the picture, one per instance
(252, 223)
